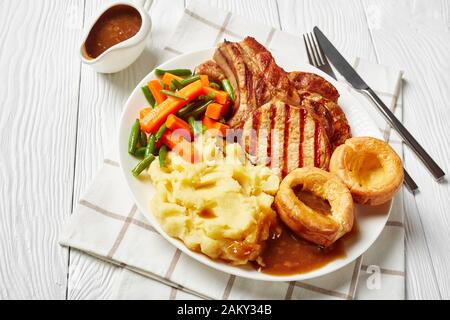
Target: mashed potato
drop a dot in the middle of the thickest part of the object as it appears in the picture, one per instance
(220, 206)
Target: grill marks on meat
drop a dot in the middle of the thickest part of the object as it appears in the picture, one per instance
(332, 117)
(255, 76)
(320, 96)
(285, 137)
(283, 120)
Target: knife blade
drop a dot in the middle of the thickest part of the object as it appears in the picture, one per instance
(347, 71)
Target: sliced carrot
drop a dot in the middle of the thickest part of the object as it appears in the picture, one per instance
(216, 111)
(180, 146)
(205, 80)
(142, 113)
(155, 88)
(158, 144)
(157, 116)
(192, 90)
(219, 95)
(170, 139)
(168, 77)
(222, 128)
(208, 122)
(211, 124)
(175, 123)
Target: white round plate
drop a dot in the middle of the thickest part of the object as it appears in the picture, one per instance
(370, 220)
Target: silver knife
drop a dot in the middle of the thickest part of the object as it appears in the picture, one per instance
(347, 71)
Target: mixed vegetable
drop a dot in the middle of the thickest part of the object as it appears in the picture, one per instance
(182, 105)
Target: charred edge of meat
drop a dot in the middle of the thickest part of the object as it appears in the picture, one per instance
(212, 70)
(305, 81)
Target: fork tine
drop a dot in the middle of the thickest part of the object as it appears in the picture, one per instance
(314, 50)
(319, 51)
(308, 50)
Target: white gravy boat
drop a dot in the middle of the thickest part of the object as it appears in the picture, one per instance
(123, 54)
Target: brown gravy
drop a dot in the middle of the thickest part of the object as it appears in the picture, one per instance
(117, 24)
(287, 254)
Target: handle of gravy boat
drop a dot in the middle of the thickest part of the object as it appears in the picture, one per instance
(146, 4)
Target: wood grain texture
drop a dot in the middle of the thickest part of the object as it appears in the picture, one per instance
(418, 41)
(102, 98)
(49, 156)
(39, 73)
(343, 21)
(262, 11)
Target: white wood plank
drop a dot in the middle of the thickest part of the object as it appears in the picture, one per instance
(101, 101)
(421, 281)
(414, 36)
(343, 21)
(39, 74)
(262, 11)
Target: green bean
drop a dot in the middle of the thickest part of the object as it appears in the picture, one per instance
(196, 126)
(189, 80)
(162, 156)
(175, 85)
(209, 96)
(140, 153)
(142, 139)
(160, 132)
(196, 113)
(177, 72)
(215, 85)
(148, 95)
(150, 145)
(142, 165)
(185, 110)
(134, 137)
(228, 88)
(172, 94)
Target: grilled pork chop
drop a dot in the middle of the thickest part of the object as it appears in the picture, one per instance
(337, 124)
(321, 96)
(254, 76)
(212, 70)
(311, 82)
(286, 137)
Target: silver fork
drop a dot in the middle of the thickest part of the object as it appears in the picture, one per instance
(315, 54)
(317, 58)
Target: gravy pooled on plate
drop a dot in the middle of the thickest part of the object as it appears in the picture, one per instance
(116, 25)
(286, 254)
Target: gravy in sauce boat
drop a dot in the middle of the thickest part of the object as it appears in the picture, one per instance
(114, 26)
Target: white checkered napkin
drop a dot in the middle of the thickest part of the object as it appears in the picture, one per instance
(107, 224)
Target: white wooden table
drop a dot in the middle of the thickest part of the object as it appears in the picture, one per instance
(58, 118)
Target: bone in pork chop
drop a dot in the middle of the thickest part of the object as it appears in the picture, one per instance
(285, 137)
(254, 76)
(212, 70)
(322, 96)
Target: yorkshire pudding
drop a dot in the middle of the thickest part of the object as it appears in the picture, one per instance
(370, 168)
(306, 222)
